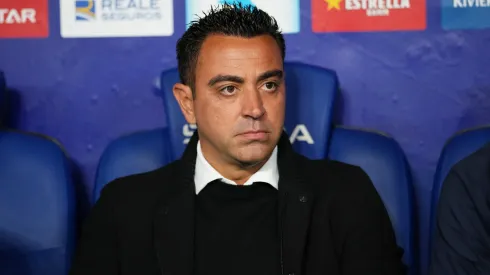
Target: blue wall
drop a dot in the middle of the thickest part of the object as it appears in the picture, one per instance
(420, 87)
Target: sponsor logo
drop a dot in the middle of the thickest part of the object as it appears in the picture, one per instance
(301, 133)
(471, 3)
(24, 19)
(116, 18)
(188, 131)
(368, 15)
(465, 14)
(85, 10)
(286, 12)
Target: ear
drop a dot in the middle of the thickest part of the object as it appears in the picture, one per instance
(183, 95)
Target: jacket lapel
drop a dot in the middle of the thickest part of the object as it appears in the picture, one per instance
(295, 207)
(174, 218)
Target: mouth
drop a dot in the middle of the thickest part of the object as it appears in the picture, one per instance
(255, 135)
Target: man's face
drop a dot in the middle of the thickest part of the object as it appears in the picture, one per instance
(240, 98)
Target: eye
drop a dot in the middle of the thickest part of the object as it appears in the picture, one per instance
(270, 86)
(228, 90)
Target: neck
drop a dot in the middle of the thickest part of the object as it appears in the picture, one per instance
(231, 169)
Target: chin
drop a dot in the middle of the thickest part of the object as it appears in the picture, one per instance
(253, 153)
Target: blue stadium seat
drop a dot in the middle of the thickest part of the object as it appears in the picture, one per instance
(311, 94)
(135, 153)
(37, 206)
(459, 146)
(385, 163)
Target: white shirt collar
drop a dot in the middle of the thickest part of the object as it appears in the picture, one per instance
(205, 173)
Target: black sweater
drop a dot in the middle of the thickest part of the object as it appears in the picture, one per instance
(236, 230)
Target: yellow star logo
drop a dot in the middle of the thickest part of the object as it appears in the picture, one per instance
(333, 4)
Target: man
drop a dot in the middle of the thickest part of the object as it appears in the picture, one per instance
(462, 235)
(240, 200)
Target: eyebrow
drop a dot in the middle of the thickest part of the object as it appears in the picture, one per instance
(269, 74)
(238, 79)
(221, 78)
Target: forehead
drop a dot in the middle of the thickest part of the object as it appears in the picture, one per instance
(222, 54)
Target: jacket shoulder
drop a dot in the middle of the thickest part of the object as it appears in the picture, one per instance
(141, 186)
(469, 176)
(335, 175)
(477, 162)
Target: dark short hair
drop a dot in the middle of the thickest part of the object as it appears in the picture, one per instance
(230, 19)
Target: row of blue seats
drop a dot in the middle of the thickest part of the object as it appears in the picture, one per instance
(38, 208)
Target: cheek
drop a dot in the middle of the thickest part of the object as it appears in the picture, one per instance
(276, 108)
(215, 114)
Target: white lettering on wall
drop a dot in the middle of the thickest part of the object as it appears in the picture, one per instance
(13, 16)
(300, 133)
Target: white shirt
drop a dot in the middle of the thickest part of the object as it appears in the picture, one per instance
(205, 173)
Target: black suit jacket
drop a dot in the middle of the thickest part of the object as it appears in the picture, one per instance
(462, 235)
(333, 221)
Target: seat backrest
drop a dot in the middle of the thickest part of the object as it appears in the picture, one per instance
(459, 146)
(180, 131)
(37, 206)
(311, 93)
(134, 153)
(383, 160)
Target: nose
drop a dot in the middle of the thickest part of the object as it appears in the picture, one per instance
(253, 106)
